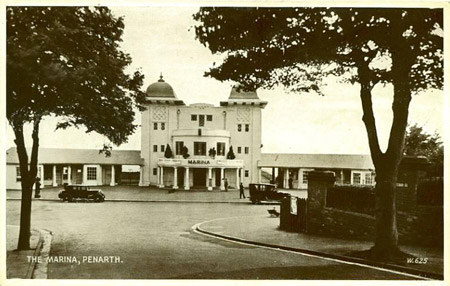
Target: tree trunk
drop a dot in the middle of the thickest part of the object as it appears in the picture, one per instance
(386, 238)
(386, 164)
(28, 175)
(25, 218)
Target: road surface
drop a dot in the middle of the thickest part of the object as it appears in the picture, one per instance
(155, 241)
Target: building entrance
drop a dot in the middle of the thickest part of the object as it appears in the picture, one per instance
(199, 177)
(217, 177)
(180, 175)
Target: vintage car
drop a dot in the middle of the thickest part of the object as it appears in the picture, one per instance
(72, 192)
(265, 192)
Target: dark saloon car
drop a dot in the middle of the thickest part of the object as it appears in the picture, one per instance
(72, 192)
(265, 192)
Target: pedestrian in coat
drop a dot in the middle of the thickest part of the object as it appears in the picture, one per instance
(226, 184)
(37, 192)
(241, 191)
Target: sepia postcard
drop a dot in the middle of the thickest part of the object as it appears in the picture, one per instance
(224, 142)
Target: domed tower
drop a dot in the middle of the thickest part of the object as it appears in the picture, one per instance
(243, 119)
(161, 92)
(157, 122)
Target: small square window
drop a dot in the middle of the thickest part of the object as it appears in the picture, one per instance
(162, 148)
(239, 150)
(91, 173)
(163, 126)
(305, 177)
(208, 117)
(18, 176)
(239, 127)
(246, 150)
(155, 125)
(199, 148)
(194, 117)
(247, 127)
(155, 171)
(246, 173)
(155, 148)
(357, 178)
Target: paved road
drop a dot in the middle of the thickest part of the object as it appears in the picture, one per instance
(155, 240)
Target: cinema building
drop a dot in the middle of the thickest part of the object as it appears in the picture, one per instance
(210, 145)
(196, 146)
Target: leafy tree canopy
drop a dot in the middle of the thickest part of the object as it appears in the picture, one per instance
(297, 46)
(66, 61)
(420, 143)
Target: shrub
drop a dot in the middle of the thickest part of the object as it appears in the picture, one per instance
(359, 199)
(168, 153)
(230, 154)
(185, 152)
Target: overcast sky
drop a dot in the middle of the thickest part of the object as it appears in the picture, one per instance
(160, 40)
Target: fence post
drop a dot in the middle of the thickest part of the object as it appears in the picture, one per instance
(302, 215)
(318, 183)
(284, 213)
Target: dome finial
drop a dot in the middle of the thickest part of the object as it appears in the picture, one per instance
(161, 78)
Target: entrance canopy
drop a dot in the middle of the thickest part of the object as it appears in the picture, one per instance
(201, 163)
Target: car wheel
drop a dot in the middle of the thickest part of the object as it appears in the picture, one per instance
(99, 199)
(68, 198)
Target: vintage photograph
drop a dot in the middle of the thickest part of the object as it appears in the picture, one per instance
(218, 142)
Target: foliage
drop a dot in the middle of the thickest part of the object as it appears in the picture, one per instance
(185, 152)
(66, 62)
(297, 47)
(359, 199)
(300, 47)
(431, 192)
(212, 152)
(420, 143)
(168, 152)
(230, 154)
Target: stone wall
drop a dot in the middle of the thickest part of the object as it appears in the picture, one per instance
(421, 225)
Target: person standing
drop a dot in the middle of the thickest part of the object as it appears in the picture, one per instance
(37, 192)
(226, 184)
(241, 191)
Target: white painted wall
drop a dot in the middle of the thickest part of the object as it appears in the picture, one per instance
(11, 182)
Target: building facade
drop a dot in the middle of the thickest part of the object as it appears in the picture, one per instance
(210, 146)
(57, 167)
(290, 171)
(196, 146)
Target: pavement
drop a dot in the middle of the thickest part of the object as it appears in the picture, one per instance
(18, 264)
(264, 231)
(252, 230)
(152, 194)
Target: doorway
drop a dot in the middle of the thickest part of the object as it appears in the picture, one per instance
(199, 177)
(217, 177)
(180, 177)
